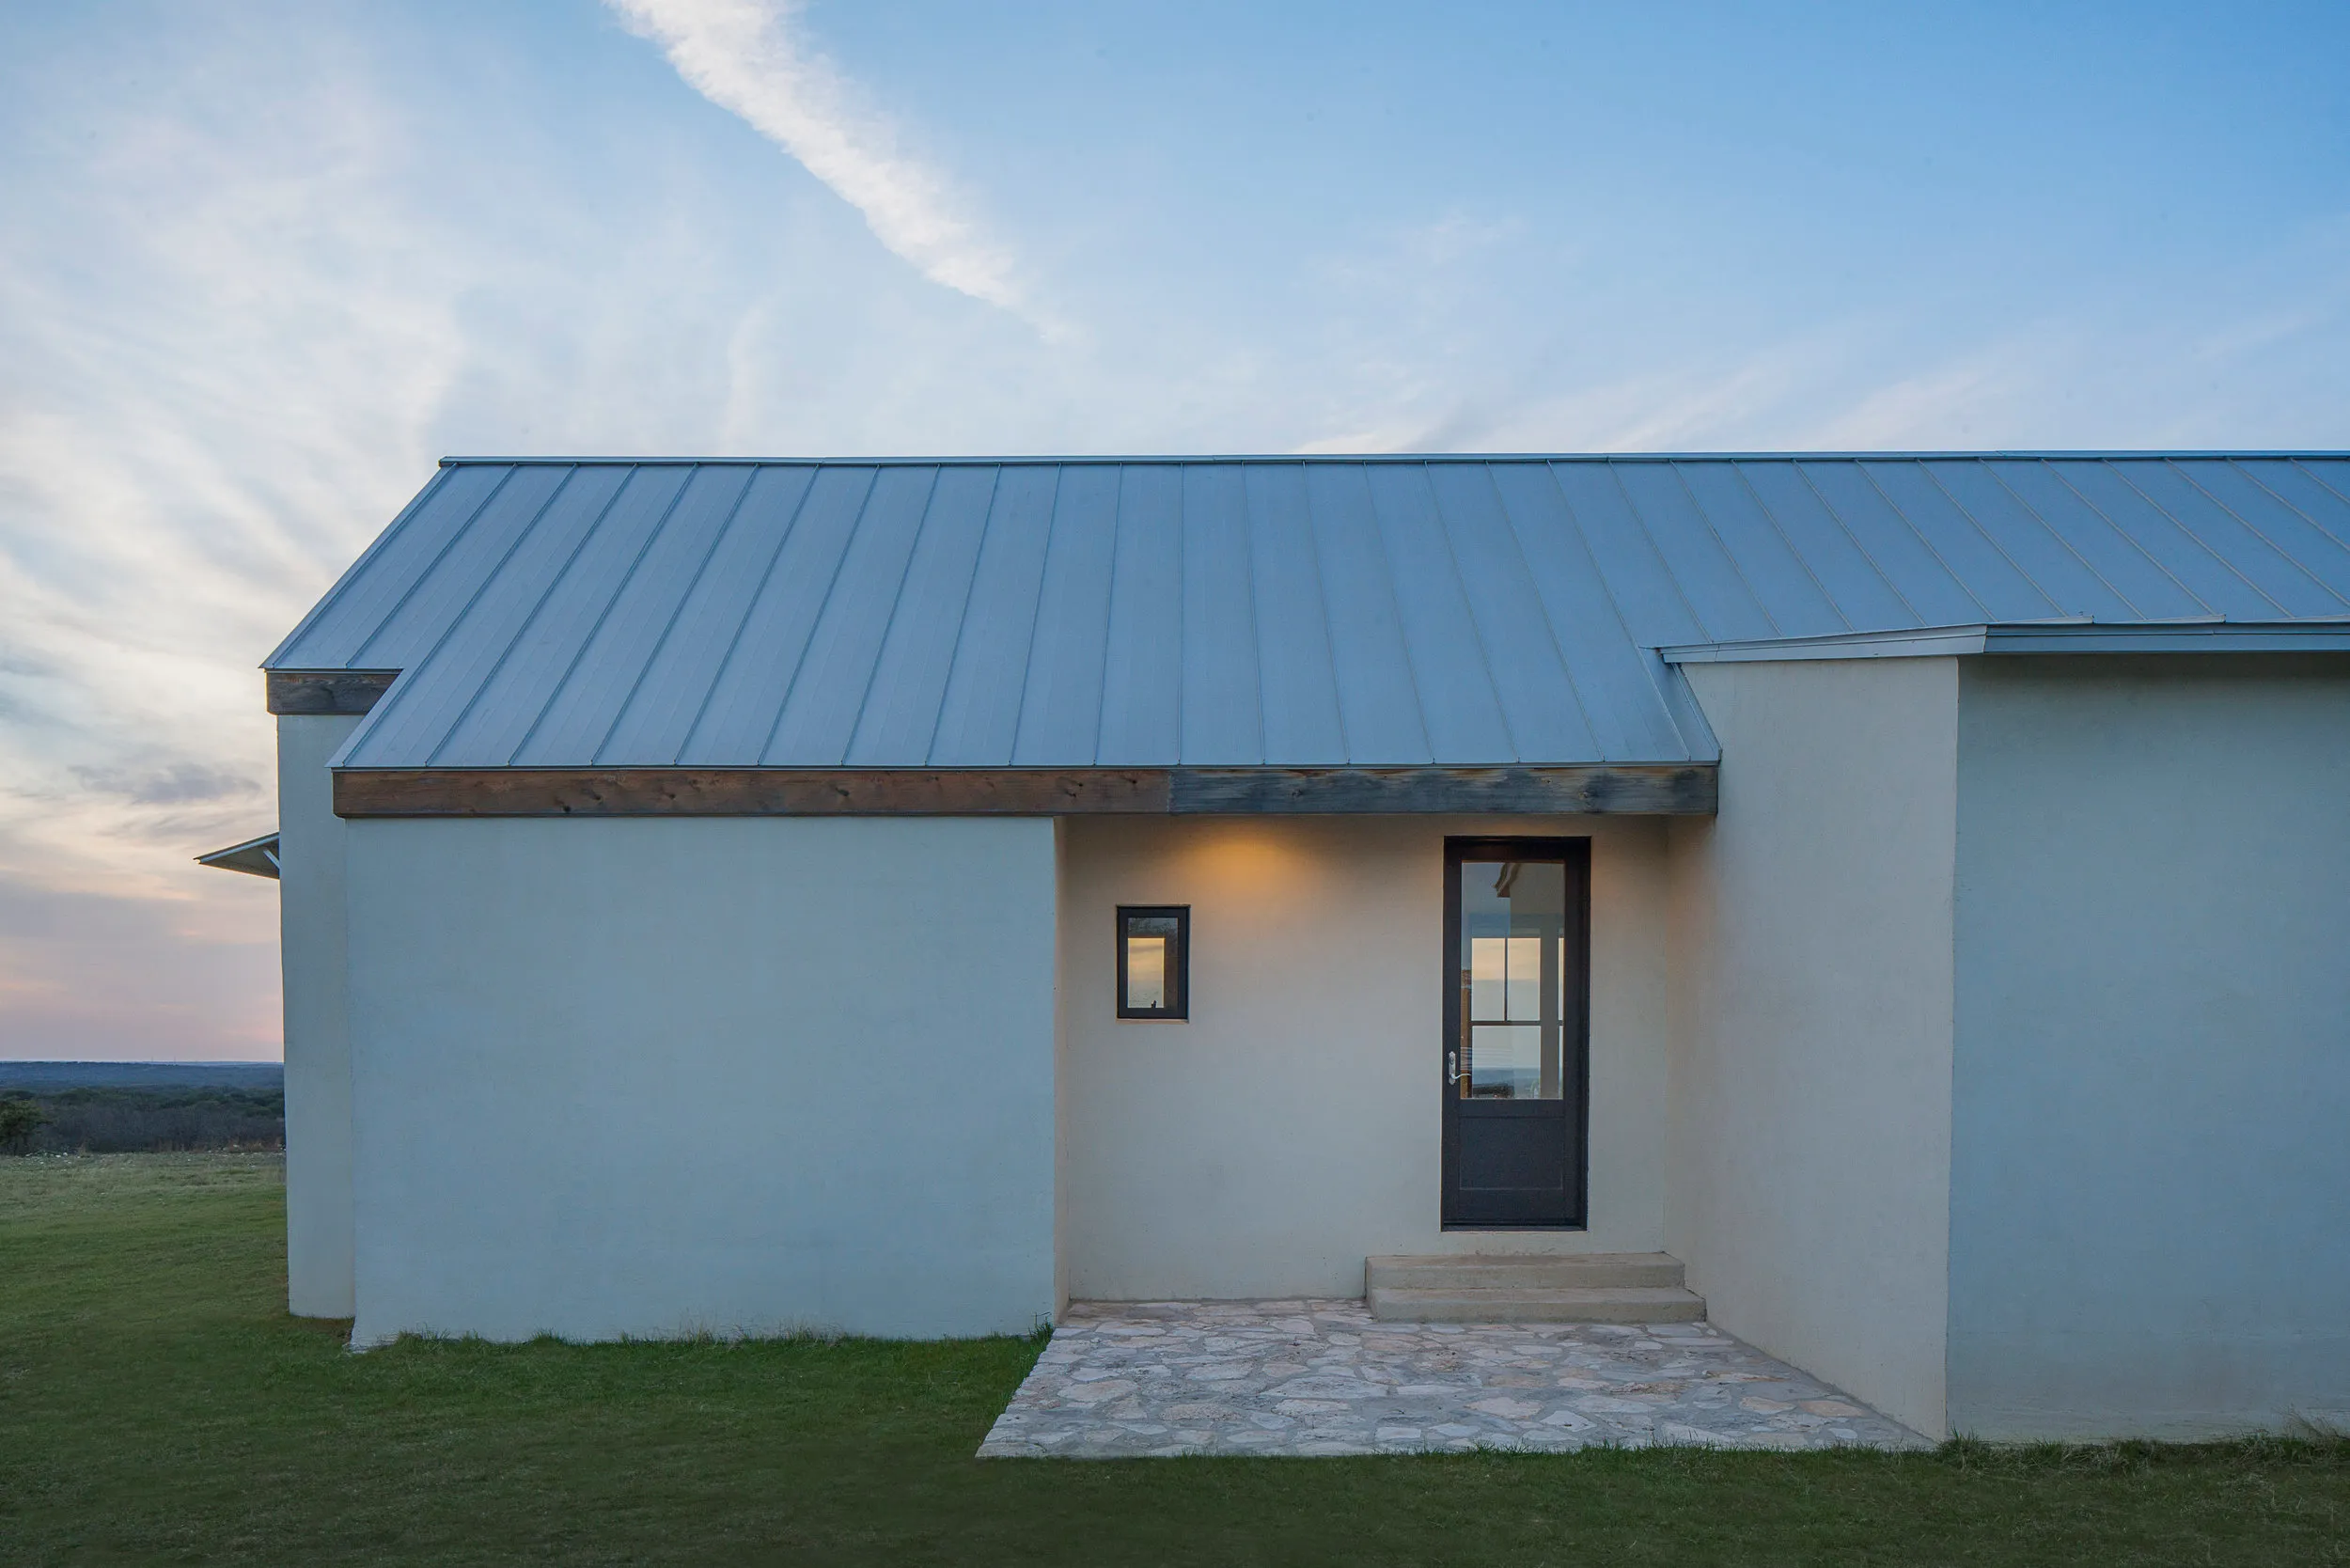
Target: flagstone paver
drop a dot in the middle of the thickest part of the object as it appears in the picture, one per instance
(1323, 1377)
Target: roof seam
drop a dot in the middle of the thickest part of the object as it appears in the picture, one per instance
(1706, 522)
(823, 602)
(1550, 633)
(571, 668)
(2273, 494)
(1256, 625)
(1035, 614)
(2291, 560)
(418, 582)
(1860, 548)
(538, 606)
(1927, 544)
(962, 622)
(392, 706)
(1738, 472)
(2062, 543)
(2257, 531)
(2126, 535)
(1322, 598)
(1395, 608)
(750, 607)
(2197, 540)
(2320, 480)
(1477, 633)
(1648, 540)
(677, 612)
(1110, 610)
(1606, 591)
(881, 645)
(1992, 540)
(350, 574)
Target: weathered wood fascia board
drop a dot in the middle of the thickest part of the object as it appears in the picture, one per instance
(1676, 789)
(327, 691)
(1684, 789)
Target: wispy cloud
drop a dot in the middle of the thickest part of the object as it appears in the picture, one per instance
(746, 56)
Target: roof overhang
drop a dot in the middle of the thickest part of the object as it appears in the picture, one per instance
(326, 691)
(2181, 636)
(254, 857)
(1664, 789)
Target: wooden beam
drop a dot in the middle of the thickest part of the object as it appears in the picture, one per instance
(1676, 789)
(745, 791)
(326, 691)
(1670, 789)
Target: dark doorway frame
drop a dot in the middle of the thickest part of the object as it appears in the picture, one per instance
(1571, 1209)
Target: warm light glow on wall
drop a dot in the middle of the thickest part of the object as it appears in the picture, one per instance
(1258, 858)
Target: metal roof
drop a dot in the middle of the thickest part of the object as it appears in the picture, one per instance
(255, 856)
(910, 613)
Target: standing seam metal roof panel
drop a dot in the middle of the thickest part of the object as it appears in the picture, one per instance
(1234, 612)
(900, 705)
(1379, 707)
(1222, 721)
(1297, 681)
(1142, 684)
(591, 693)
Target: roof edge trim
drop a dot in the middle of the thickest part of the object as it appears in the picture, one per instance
(1933, 642)
(1174, 460)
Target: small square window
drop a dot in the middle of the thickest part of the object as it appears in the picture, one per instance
(1154, 960)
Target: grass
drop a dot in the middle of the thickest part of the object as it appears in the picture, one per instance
(157, 1405)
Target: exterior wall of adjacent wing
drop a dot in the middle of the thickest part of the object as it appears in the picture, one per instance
(2153, 1080)
(318, 1049)
(1293, 1126)
(631, 1076)
(1812, 1028)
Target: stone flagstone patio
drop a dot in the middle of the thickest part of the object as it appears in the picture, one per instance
(1321, 1377)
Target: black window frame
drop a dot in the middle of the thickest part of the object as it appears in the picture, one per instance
(1178, 1009)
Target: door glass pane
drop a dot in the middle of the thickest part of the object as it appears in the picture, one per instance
(1514, 918)
(1506, 1061)
(1489, 961)
(1526, 979)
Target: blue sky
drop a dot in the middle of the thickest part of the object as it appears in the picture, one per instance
(261, 263)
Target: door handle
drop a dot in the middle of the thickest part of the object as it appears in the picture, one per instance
(1452, 1067)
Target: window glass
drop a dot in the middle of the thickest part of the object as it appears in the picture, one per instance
(1146, 968)
(1151, 963)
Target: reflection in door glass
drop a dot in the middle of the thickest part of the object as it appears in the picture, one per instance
(1514, 918)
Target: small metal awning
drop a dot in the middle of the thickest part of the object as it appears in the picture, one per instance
(255, 856)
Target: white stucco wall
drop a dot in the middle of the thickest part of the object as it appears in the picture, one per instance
(1811, 1067)
(318, 1052)
(1292, 1127)
(650, 1076)
(2151, 1114)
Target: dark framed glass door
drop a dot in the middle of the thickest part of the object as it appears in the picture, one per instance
(1517, 962)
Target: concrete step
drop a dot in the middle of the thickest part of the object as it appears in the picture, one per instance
(1591, 1287)
(1559, 1304)
(1524, 1271)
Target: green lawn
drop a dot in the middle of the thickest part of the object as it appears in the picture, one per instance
(156, 1405)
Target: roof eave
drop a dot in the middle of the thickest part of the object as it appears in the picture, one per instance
(1932, 642)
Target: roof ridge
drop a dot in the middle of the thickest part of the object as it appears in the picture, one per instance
(1179, 459)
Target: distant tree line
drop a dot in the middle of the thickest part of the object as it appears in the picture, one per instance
(128, 1120)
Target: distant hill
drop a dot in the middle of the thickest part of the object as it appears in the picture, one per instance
(51, 1078)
